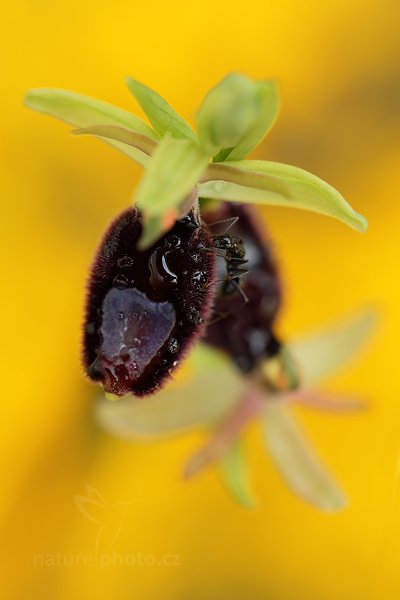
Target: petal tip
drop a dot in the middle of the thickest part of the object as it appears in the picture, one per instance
(334, 504)
(29, 98)
(359, 223)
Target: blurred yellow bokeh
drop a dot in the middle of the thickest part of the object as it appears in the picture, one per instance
(338, 63)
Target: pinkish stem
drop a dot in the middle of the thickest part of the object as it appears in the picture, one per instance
(248, 407)
(324, 401)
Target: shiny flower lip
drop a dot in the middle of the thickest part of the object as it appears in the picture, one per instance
(145, 308)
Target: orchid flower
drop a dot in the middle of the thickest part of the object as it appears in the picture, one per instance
(153, 291)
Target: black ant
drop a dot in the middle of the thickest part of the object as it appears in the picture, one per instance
(234, 256)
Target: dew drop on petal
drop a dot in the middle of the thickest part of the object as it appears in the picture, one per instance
(120, 281)
(125, 262)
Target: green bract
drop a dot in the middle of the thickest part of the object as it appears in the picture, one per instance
(173, 172)
(182, 165)
(236, 115)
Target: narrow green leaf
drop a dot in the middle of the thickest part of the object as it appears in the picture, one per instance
(328, 350)
(204, 398)
(225, 172)
(160, 114)
(302, 190)
(172, 173)
(233, 192)
(235, 116)
(82, 111)
(297, 461)
(120, 134)
(233, 470)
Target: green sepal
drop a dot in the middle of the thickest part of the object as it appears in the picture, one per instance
(172, 174)
(297, 461)
(181, 405)
(233, 471)
(326, 351)
(82, 111)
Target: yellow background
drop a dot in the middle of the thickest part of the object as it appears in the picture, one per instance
(338, 64)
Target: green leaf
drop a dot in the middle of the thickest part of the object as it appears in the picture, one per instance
(235, 116)
(160, 114)
(302, 190)
(297, 461)
(226, 173)
(120, 134)
(267, 115)
(331, 348)
(233, 192)
(233, 470)
(172, 173)
(82, 111)
(204, 398)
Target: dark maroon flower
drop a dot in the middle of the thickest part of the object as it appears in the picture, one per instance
(243, 319)
(145, 308)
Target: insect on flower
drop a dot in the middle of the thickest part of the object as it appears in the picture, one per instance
(153, 288)
(246, 306)
(234, 256)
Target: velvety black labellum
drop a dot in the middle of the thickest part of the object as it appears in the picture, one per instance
(145, 308)
(242, 322)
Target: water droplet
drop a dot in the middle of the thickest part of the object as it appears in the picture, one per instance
(200, 280)
(193, 315)
(120, 316)
(173, 242)
(175, 363)
(218, 187)
(160, 273)
(120, 281)
(196, 258)
(125, 262)
(173, 345)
